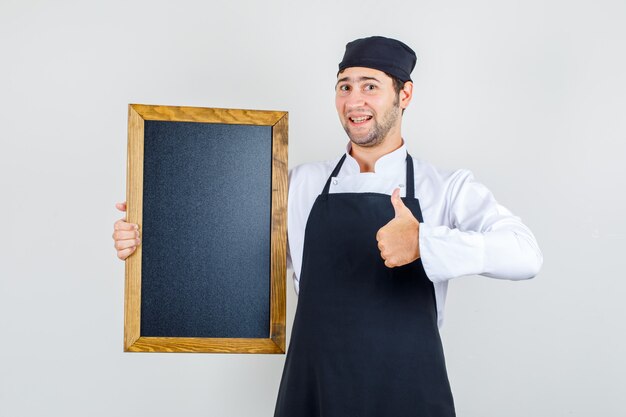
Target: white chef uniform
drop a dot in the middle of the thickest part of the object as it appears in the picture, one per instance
(465, 231)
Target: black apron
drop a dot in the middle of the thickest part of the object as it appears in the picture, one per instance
(365, 341)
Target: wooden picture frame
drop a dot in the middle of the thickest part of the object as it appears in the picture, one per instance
(277, 121)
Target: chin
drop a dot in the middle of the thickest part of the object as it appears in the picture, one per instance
(365, 142)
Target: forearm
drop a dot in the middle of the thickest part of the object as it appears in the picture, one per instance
(509, 252)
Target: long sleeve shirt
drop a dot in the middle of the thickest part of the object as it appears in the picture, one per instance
(465, 231)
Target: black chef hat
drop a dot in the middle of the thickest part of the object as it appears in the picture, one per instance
(384, 54)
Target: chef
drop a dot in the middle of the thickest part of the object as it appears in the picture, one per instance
(374, 238)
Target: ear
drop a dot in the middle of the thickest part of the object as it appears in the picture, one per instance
(406, 94)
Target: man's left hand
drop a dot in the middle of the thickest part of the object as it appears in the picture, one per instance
(398, 240)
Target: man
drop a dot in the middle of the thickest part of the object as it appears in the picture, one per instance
(371, 269)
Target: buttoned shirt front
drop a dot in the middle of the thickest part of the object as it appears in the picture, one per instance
(465, 231)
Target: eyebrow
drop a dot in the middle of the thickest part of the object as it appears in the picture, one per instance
(360, 79)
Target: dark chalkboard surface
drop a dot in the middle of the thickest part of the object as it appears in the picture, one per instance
(206, 198)
(209, 189)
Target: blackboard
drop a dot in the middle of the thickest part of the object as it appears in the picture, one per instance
(208, 189)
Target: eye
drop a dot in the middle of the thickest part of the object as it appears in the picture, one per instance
(344, 87)
(370, 87)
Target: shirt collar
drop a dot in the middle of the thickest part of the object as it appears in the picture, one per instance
(387, 164)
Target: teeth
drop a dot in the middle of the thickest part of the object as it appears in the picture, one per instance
(359, 119)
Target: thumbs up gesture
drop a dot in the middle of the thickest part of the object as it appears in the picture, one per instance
(398, 240)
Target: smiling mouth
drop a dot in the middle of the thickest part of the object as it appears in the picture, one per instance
(359, 120)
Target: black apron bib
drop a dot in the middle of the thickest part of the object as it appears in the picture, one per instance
(365, 341)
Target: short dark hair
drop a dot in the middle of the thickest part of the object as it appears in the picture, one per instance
(398, 85)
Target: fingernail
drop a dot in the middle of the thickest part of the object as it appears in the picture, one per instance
(138, 241)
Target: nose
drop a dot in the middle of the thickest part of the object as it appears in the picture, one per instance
(355, 100)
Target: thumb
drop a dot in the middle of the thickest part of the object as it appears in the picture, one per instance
(121, 206)
(398, 204)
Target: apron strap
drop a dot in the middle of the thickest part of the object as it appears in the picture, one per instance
(334, 174)
(410, 177)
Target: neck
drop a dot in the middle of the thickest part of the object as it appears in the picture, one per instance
(367, 156)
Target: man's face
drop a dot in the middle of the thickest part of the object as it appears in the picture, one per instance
(367, 105)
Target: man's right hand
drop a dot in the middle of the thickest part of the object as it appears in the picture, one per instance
(125, 235)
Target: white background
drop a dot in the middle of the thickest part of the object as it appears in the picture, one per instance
(530, 95)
